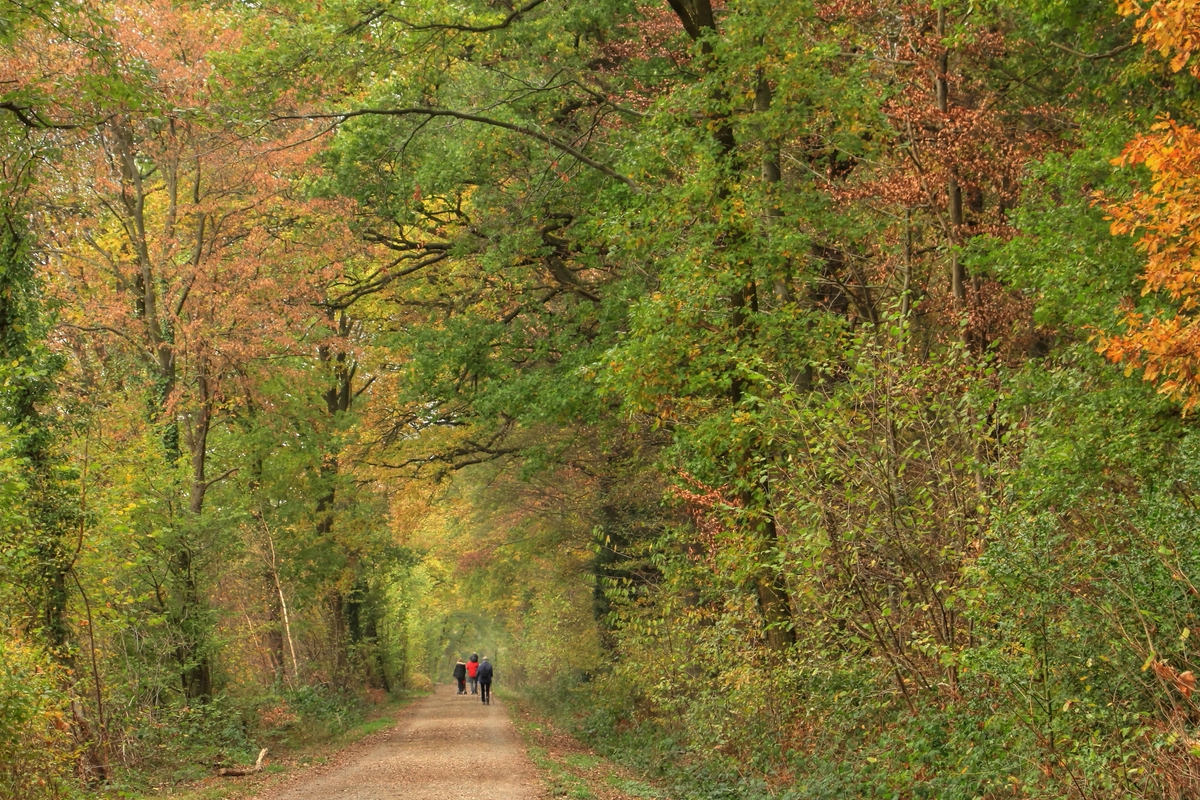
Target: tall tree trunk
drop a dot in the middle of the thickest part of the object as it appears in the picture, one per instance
(770, 584)
(339, 396)
(194, 658)
(186, 617)
(954, 200)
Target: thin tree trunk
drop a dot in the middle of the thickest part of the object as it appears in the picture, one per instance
(906, 289)
(287, 626)
(958, 272)
(773, 597)
(197, 666)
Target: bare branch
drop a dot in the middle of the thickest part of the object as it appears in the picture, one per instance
(1116, 51)
(230, 772)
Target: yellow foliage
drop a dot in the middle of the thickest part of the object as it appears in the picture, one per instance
(35, 744)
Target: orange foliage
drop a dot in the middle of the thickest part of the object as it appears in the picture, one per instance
(1171, 27)
(180, 236)
(1182, 682)
(1165, 345)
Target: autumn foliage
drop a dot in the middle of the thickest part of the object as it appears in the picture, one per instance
(1169, 27)
(1165, 343)
(728, 368)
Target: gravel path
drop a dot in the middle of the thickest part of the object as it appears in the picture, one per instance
(445, 746)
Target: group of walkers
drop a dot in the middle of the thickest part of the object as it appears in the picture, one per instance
(479, 673)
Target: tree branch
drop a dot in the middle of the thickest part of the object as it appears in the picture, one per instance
(1116, 51)
(377, 284)
(513, 16)
(31, 119)
(557, 144)
(230, 772)
(227, 473)
(365, 386)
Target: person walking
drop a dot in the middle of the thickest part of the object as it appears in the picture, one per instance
(485, 681)
(460, 675)
(473, 672)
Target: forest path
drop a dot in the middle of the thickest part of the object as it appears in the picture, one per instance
(444, 746)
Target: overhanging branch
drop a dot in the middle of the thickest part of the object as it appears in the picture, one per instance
(557, 144)
(513, 16)
(1116, 51)
(31, 119)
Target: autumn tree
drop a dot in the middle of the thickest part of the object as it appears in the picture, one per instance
(185, 261)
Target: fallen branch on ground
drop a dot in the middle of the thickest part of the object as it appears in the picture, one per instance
(233, 772)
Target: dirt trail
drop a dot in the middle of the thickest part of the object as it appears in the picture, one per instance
(445, 746)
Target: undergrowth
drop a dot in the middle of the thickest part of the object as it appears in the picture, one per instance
(569, 768)
(191, 743)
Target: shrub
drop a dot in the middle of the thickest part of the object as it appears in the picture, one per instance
(35, 742)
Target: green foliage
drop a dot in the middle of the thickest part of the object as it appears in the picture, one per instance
(724, 371)
(35, 745)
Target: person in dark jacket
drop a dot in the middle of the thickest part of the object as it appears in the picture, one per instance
(473, 672)
(460, 675)
(485, 681)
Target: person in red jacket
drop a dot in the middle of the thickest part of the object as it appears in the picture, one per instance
(473, 672)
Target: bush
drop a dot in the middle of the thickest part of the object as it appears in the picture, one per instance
(323, 711)
(35, 742)
(188, 742)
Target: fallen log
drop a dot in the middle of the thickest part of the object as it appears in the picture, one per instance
(234, 772)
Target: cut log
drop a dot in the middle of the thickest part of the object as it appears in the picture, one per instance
(233, 772)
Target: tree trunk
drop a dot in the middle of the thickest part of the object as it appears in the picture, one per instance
(197, 667)
(282, 630)
(958, 272)
(774, 602)
(339, 397)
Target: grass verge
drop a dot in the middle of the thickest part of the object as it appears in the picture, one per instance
(569, 767)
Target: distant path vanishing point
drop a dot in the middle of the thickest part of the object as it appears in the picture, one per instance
(445, 747)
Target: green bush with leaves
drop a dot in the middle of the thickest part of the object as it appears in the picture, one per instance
(36, 748)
